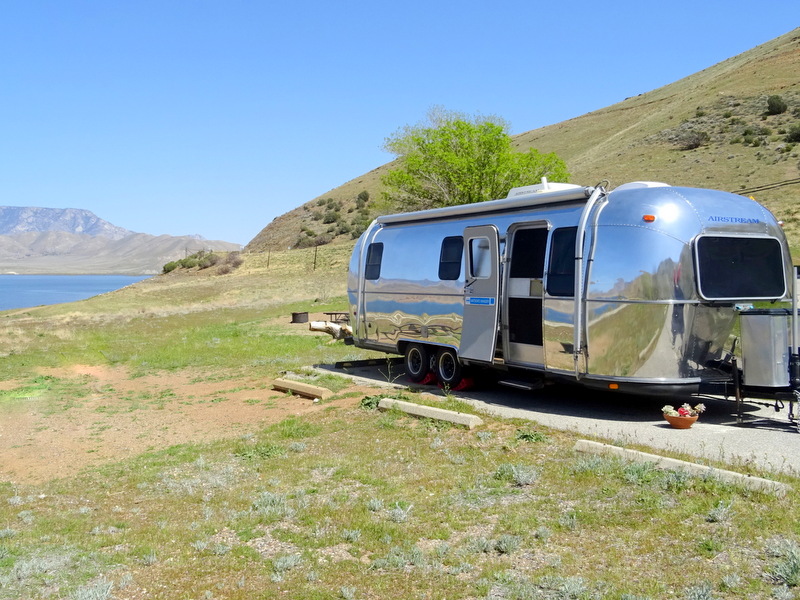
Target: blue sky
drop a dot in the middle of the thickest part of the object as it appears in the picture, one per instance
(213, 118)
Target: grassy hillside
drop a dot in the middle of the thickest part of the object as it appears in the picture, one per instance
(307, 223)
(643, 138)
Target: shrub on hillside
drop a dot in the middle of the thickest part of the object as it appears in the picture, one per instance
(201, 259)
(232, 262)
(359, 225)
(190, 262)
(776, 105)
(234, 259)
(793, 135)
(331, 216)
(323, 239)
(310, 242)
(209, 260)
(692, 139)
(304, 241)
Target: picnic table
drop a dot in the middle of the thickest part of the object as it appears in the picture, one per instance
(338, 316)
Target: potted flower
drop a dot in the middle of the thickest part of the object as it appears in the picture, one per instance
(684, 417)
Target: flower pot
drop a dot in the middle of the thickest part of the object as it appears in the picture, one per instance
(681, 422)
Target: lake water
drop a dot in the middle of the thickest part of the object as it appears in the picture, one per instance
(24, 291)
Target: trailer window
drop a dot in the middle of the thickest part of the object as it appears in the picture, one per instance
(480, 260)
(450, 258)
(527, 253)
(561, 269)
(731, 268)
(372, 270)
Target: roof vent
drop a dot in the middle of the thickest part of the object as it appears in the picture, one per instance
(539, 188)
(634, 185)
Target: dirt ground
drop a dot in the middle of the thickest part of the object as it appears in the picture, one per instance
(123, 417)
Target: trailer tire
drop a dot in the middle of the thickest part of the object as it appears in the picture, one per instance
(417, 362)
(448, 368)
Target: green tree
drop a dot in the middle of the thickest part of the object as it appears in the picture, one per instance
(454, 159)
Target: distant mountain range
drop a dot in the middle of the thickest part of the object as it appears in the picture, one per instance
(74, 241)
(27, 219)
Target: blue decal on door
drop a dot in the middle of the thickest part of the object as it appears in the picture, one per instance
(480, 301)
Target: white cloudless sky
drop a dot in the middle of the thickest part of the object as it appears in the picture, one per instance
(214, 117)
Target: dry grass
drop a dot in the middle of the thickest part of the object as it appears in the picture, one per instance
(389, 507)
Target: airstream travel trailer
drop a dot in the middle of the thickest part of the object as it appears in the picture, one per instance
(637, 289)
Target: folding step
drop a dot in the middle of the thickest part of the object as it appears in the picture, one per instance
(517, 384)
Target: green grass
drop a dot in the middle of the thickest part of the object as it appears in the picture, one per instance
(222, 339)
(50, 394)
(391, 516)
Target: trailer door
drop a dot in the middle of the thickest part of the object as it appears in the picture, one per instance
(481, 290)
(524, 294)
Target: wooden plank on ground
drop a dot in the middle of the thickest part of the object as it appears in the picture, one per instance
(301, 389)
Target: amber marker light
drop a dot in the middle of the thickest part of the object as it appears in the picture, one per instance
(613, 386)
(648, 218)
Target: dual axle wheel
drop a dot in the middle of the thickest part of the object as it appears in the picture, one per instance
(420, 361)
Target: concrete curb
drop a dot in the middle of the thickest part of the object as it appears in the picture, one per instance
(301, 389)
(431, 412)
(661, 462)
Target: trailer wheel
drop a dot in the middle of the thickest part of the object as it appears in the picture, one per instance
(448, 369)
(417, 362)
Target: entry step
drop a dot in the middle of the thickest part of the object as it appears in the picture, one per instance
(519, 384)
(371, 362)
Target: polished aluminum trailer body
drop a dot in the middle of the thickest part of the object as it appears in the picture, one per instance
(636, 287)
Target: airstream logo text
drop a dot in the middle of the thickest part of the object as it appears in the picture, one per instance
(723, 219)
